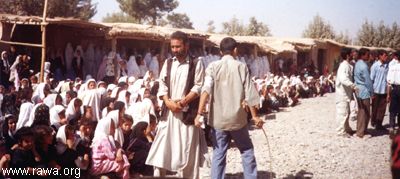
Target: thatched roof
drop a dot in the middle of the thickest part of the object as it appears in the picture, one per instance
(36, 20)
(139, 31)
(266, 44)
(357, 46)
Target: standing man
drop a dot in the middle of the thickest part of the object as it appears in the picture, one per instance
(353, 102)
(344, 93)
(363, 83)
(176, 144)
(393, 79)
(379, 71)
(229, 84)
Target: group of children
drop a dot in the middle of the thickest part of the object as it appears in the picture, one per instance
(102, 130)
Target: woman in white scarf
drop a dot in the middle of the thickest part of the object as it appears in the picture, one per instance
(93, 100)
(85, 88)
(132, 67)
(24, 112)
(124, 96)
(115, 117)
(51, 100)
(154, 67)
(73, 109)
(106, 156)
(147, 59)
(66, 139)
(40, 93)
(90, 60)
(69, 55)
(57, 116)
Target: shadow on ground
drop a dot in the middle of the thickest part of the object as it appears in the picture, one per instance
(260, 175)
(302, 174)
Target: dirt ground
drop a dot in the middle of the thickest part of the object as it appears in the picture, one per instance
(304, 144)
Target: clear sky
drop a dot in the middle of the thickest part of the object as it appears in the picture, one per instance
(285, 18)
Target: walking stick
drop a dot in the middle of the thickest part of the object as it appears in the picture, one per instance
(270, 154)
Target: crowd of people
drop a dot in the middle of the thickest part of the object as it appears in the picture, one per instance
(135, 119)
(366, 83)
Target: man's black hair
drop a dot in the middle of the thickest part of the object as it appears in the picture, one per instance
(180, 36)
(227, 45)
(344, 52)
(381, 52)
(362, 52)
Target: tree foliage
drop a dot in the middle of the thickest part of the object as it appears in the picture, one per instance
(254, 28)
(119, 17)
(233, 27)
(343, 38)
(319, 29)
(146, 10)
(379, 36)
(210, 27)
(82, 9)
(179, 20)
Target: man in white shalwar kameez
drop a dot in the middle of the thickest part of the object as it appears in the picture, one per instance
(344, 93)
(176, 146)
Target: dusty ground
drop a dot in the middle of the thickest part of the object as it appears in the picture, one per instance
(304, 144)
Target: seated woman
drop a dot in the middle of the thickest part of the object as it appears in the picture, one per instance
(8, 132)
(44, 146)
(140, 144)
(106, 157)
(25, 155)
(71, 154)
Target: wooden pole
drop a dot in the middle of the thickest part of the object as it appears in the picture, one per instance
(21, 43)
(43, 42)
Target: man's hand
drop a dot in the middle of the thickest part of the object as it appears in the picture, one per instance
(197, 122)
(258, 122)
(173, 106)
(388, 99)
(356, 90)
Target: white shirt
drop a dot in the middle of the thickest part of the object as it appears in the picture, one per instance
(393, 76)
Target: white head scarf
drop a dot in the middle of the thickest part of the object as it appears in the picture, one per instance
(131, 79)
(61, 139)
(70, 111)
(50, 100)
(103, 131)
(54, 117)
(122, 98)
(133, 67)
(39, 91)
(69, 55)
(111, 87)
(123, 79)
(119, 135)
(114, 92)
(24, 114)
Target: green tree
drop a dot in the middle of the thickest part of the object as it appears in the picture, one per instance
(82, 9)
(366, 35)
(179, 20)
(343, 38)
(146, 10)
(256, 28)
(233, 27)
(319, 29)
(382, 35)
(119, 17)
(210, 27)
(395, 37)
